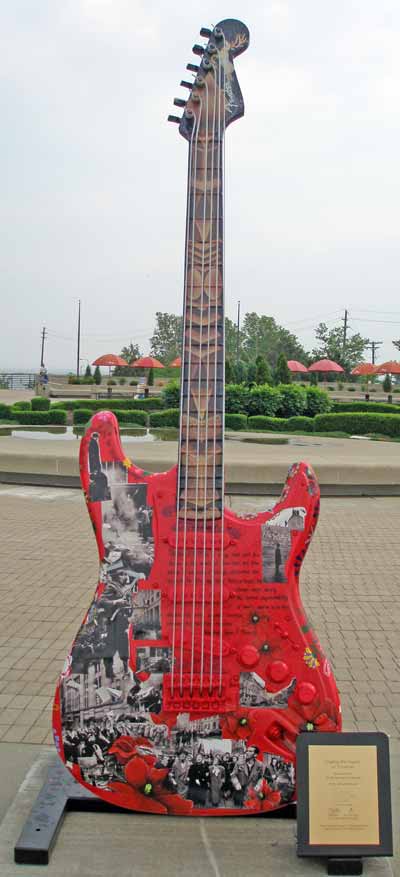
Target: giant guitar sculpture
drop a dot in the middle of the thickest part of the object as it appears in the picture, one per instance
(195, 667)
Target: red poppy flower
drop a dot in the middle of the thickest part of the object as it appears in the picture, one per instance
(320, 715)
(125, 748)
(145, 790)
(238, 725)
(262, 798)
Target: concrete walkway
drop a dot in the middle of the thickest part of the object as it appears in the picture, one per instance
(341, 465)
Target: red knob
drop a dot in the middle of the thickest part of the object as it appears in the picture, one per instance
(278, 671)
(249, 656)
(306, 692)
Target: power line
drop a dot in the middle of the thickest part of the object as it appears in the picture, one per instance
(374, 346)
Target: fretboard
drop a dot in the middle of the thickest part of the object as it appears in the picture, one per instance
(202, 415)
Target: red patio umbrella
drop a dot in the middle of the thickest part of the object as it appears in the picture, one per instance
(146, 362)
(364, 368)
(325, 365)
(176, 363)
(388, 368)
(109, 359)
(295, 366)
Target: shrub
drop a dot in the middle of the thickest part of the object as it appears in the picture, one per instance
(171, 395)
(139, 418)
(293, 400)
(23, 406)
(169, 417)
(122, 381)
(372, 407)
(362, 423)
(39, 418)
(305, 424)
(282, 373)
(97, 375)
(263, 400)
(5, 411)
(318, 401)
(111, 382)
(150, 404)
(82, 415)
(87, 380)
(235, 421)
(40, 403)
(236, 396)
(351, 389)
(387, 384)
(133, 383)
(263, 371)
(270, 424)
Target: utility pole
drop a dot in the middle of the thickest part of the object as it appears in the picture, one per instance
(79, 338)
(238, 335)
(345, 326)
(374, 345)
(42, 353)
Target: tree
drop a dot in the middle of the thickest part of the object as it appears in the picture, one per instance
(387, 384)
(130, 353)
(263, 371)
(263, 336)
(150, 379)
(231, 340)
(166, 341)
(97, 375)
(239, 370)
(332, 345)
(88, 371)
(228, 372)
(282, 373)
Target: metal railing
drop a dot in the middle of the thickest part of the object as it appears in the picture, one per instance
(17, 380)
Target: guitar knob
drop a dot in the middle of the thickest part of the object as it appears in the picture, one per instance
(185, 84)
(174, 119)
(249, 656)
(198, 50)
(179, 102)
(205, 32)
(278, 671)
(194, 68)
(306, 692)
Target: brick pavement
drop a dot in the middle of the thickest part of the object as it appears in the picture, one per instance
(349, 585)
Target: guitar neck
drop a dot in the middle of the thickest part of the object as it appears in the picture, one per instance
(202, 390)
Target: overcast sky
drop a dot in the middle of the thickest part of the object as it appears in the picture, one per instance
(93, 177)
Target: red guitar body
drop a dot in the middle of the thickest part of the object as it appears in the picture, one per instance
(120, 726)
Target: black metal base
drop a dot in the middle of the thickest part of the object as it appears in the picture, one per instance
(59, 793)
(344, 865)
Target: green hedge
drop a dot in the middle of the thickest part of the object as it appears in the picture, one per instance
(371, 407)
(81, 415)
(264, 400)
(139, 418)
(21, 406)
(5, 411)
(40, 403)
(293, 400)
(362, 423)
(235, 421)
(39, 418)
(93, 405)
(169, 417)
(270, 424)
(171, 395)
(236, 398)
(303, 424)
(318, 402)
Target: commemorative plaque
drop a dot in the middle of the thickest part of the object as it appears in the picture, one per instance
(344, 807)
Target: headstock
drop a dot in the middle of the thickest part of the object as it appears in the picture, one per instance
(215, 99)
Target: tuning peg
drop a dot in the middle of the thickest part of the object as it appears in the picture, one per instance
(178, 102)
(205, 32)
(185, 84)
(174, 119)
(194, 68)
(198, 50)
(218, 33)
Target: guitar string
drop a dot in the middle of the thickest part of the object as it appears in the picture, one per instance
(181, 411)
(221, 608)
(210, 241)
(199, 396)
(194, 174)
(216, 298)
